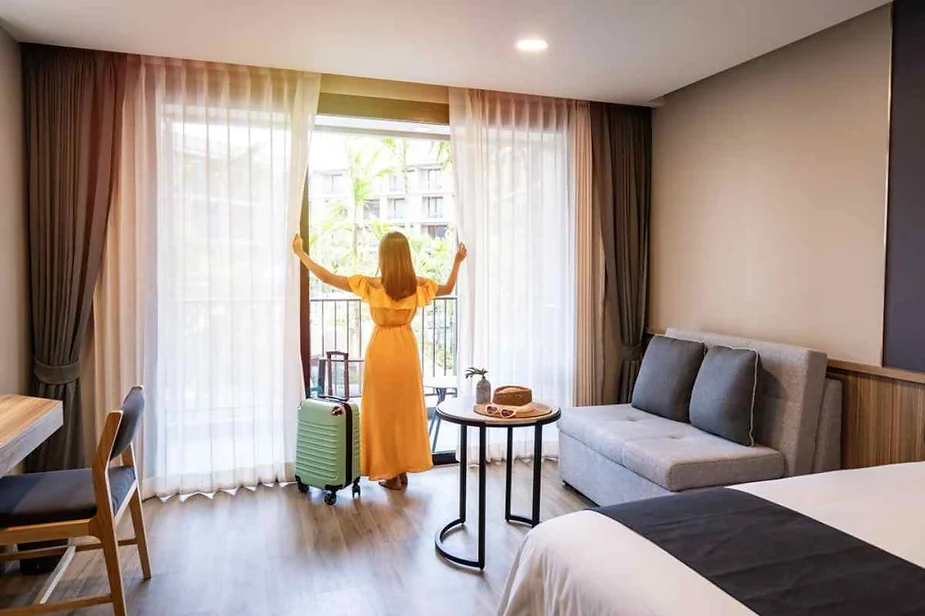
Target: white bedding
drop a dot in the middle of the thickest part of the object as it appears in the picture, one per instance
(588, 564)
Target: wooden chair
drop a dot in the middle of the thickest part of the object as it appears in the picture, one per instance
(87, 502)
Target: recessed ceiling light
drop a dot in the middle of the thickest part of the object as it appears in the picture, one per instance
(532, 44)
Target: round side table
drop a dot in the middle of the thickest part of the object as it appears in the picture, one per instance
(461, 411)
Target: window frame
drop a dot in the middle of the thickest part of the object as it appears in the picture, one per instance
(375, 108)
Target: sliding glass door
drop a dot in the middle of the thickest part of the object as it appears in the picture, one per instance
(366, 178)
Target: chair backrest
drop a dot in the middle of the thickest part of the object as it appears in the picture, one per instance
(132, 408)
(355, 379)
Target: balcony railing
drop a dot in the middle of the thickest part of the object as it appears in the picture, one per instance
(343, 324)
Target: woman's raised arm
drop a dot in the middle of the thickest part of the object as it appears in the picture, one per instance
(447, 287)
(324, 275)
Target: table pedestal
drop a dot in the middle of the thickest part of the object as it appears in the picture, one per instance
(459, 522)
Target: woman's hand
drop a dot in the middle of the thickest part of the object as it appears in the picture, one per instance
(297, 246)
(450, 284)
(461, 253)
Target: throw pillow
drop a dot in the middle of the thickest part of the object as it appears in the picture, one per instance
(666, 377)
(723, 401)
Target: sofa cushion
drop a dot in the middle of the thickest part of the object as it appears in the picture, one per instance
(666, 377)
(674, 455)
(700, 460)
(789, 397)
(723, 400)
(607, 429)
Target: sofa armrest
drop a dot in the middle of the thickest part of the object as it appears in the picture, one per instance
(828, 434)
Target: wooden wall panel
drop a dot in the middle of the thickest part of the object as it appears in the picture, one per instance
(883, 420)
(383, 108)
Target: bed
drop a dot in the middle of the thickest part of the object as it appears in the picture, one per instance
(587, 563)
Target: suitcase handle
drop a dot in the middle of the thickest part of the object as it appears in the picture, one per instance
(344, 407)
(329, 395)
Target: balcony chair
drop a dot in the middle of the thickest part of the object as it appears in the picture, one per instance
(87, 502)
(355, 383)
(440, 390)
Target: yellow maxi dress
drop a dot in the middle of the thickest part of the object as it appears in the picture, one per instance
(393, 420)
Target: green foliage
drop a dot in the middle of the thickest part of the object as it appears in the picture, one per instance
(433, 256)
(442, 153)
(343, 241)
(364, 168)
(398, 148)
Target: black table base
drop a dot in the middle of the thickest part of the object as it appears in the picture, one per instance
(443, 533)
(461, 520)
(534, 519)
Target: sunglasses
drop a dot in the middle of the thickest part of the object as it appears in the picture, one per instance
(503, 413)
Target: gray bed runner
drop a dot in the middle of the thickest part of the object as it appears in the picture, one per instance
(774, 560)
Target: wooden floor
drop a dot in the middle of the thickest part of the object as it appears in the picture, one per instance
(275, 551)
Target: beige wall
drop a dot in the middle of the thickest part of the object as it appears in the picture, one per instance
(769, 195)
(15, 354)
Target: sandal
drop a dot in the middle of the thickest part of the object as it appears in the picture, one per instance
(404, 480)
(391, 484)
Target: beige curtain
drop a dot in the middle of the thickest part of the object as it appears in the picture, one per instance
(589, 305)
(198, 295)
(124, 315)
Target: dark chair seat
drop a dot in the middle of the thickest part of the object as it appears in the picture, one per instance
(57, 496)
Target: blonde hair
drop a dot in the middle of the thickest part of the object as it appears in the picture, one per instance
(396, 269)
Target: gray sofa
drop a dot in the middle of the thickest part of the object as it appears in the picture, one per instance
(615, 454)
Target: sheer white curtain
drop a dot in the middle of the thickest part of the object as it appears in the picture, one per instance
(516, 195)
(201, 290)
(589, 317)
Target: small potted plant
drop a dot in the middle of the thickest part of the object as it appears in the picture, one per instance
(483, 387)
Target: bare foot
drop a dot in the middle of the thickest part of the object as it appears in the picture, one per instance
(391, 484)
(404, 480)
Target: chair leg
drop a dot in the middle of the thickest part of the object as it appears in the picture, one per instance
(113, 567)
(141, 534)
(433, 447)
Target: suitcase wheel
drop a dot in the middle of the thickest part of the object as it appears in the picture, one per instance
(302, 487)
(330, 498)
(356, 487)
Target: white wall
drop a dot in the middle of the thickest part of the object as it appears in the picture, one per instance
(15, 351)
(769, 195)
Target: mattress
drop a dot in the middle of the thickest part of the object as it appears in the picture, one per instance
(589, 564)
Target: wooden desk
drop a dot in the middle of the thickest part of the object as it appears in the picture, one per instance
(25, 423)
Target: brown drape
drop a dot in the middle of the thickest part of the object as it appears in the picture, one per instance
(73, 114)
(621, 145)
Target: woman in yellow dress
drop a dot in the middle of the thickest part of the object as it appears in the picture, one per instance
(393, 419)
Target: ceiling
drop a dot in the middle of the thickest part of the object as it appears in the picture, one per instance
(630, 51)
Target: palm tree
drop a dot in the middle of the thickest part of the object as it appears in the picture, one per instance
(328, 239)
(362, 171)
(442, 153)
(399, 151)
(335, 235)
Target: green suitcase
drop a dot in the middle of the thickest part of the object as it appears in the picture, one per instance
(328, 446)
